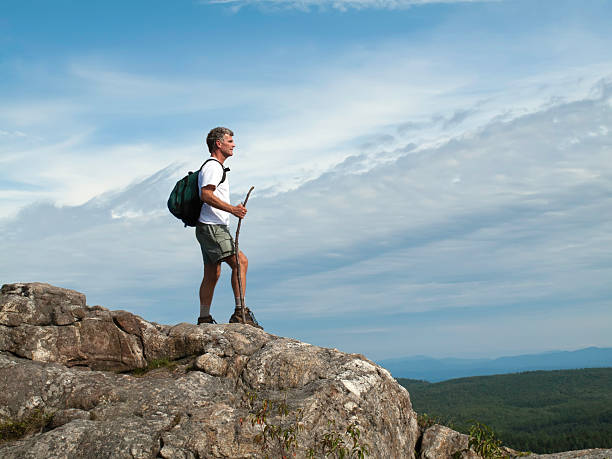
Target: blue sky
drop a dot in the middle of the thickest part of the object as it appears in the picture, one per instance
(430, 177)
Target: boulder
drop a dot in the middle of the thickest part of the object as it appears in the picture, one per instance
(439, 441)
(39, 304)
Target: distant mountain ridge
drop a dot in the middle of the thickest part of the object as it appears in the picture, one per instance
(434, 370)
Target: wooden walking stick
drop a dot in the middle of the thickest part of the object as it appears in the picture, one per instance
(238, 260)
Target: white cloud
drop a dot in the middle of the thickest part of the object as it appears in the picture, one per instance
(341, 5)
(292, 131)
(12, 134)
(25, 114)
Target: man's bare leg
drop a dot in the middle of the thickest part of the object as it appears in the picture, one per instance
(212, 271)
(244, 265)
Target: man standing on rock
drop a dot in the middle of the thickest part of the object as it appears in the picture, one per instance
(212, 230)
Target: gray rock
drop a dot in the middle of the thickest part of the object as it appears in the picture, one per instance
(62, 417)
(439, 441)
(48, 324)
(39, 304)
(582, 454)
(208, 404)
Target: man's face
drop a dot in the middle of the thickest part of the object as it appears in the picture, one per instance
(226, 146)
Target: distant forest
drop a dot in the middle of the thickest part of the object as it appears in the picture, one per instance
(537, 411)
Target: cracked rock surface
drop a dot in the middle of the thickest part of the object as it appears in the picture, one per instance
(75, 363)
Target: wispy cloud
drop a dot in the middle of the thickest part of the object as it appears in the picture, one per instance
(341, 5)
(318, 117)
(508, 220)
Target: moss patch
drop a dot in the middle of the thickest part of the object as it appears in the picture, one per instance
(34, 422)
(154, 365)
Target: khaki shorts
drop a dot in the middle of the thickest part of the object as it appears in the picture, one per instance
(215, 241)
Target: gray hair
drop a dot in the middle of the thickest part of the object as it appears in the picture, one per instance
(215, 134)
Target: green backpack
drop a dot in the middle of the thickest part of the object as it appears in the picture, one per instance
(185, 202)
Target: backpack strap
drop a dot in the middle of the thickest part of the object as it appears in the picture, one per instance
(225, 169)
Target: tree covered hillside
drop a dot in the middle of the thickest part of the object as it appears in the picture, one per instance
(539, 411)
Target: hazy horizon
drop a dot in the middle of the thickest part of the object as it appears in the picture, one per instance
(493, 357)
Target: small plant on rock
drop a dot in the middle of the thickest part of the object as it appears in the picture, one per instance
(484, 442)
(281, 427)
(425, 421)
(279, 437)
(333, 444)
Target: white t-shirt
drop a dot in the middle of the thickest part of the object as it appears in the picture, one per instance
(211, 174)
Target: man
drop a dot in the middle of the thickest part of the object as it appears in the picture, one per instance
(212, 230)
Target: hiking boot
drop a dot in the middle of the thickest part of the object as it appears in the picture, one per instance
(206, 320)
(248, 315)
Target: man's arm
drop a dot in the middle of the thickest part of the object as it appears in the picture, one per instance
(209, 198)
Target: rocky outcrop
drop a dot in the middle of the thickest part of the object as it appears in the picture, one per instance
(227, 389)
(70, 379)
(44, 323)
